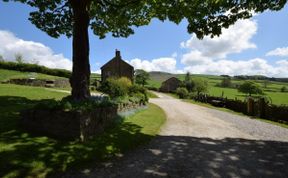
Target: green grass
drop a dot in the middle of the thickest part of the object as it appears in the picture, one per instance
(13, 74)
(27, 155)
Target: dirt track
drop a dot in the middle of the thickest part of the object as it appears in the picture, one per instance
(201, 142)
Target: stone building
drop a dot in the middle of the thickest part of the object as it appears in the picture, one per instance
(170, 85)
(117, 67)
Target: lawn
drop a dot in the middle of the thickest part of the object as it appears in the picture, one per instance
(26, 155)
(13, 74)
(275, 97)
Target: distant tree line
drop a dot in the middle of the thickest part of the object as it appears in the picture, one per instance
(259, 77)
(24, 67)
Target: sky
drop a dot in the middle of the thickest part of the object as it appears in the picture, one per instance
(256, 46)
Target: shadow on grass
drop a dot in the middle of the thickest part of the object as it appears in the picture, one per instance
(180, 156)
(23, 154)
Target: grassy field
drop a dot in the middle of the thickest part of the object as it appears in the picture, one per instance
(26, 155)
(272, 91)
(13, 74)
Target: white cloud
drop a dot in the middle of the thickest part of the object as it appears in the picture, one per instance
(31, 52)
(235, 39)
(255, 66)
(209, 56)
(278, 52)
(166, 64)
(194, 57)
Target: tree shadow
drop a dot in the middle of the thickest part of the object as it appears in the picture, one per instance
(23, 154)
(180, 156)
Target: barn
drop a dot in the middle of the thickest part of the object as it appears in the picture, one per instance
(170, 85)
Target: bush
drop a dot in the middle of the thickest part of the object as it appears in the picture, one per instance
(284, 89)
(182, 92)
(122, 91)
(116, 87)
(139, 92)
(192, 95)
(201, 86)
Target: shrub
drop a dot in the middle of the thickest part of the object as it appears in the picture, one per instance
(192, 95)
(116, 87)
(189, 83)
(201, 86)
(182, 92)
(139, 92)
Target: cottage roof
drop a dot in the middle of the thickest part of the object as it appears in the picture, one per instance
(117, 57)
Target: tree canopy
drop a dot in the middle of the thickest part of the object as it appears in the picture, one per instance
(250, 88)
(120, 17)
(141, 77)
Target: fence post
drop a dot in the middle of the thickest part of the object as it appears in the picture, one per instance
(250, 106)
(262, 108)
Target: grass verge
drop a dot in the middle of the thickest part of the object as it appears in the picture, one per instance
(26, 155)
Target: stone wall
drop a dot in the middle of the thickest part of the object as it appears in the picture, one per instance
(68, 124)
(59, 83)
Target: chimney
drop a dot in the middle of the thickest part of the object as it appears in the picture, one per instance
(118, 54)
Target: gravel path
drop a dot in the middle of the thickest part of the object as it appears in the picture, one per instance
(201, 142)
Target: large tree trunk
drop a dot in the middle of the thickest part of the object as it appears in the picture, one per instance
(80, 78)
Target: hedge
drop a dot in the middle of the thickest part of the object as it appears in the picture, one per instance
(24, 67)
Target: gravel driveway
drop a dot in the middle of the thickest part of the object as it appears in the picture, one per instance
(201, 142)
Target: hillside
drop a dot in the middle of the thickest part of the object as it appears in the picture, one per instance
(272, 90)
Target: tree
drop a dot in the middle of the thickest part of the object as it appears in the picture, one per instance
(142, 77)
(201, 86)
(19, 58)
(284, 89)
(266, 83)
(189, 83)
(226, 82)
(250, 88)
(119, 17)
(1, 58)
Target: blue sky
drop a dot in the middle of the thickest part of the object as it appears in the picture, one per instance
(254, 46)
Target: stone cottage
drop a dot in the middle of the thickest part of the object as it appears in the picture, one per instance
(170, 85)
(117, 67)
